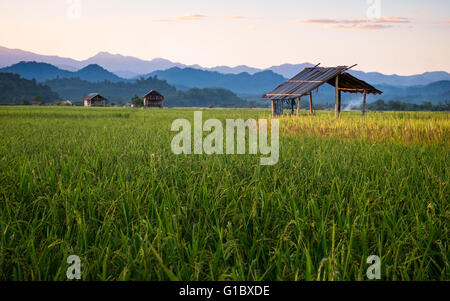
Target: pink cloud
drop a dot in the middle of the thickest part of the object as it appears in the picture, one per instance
(318, 21)
(418, 12)
(392, 20)
(359, 23)
(360, 26)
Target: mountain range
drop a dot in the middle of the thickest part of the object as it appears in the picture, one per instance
(130, 67)
(123, 66)
(43, 71)
(436, 92)
(183, 79)
(248, 86)
(242, 83)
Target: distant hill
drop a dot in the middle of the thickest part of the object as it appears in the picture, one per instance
(39, 71)
(124, 66)
(289, 70)
(42, 72)
(429, 86)
(376, 78)
(130, 67)
(17, 90)
(10, 57)
(435, 92)
(233, 70)
(127, 65)
(96, 73)
(238, 83)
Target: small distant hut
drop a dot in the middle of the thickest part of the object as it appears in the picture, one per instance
(38, 103)
(292, 91)
(153, 99)
(95, 100)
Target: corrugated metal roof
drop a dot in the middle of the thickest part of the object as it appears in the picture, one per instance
(313, 77)
(93, 95)
(154, 93)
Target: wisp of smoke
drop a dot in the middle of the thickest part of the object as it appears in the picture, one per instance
(353, 104)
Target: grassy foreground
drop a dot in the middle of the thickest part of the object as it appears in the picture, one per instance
(103, 184)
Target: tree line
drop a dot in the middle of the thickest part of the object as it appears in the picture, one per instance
(393, 105)
(15, 90)
(18, 91)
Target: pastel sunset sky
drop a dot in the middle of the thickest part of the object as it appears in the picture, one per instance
(396, 36)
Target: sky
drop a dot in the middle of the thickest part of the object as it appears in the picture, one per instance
(390, 36)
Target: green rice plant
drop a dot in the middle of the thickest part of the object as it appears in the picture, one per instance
(104, 184)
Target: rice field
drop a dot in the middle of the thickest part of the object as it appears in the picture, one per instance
(103, 184)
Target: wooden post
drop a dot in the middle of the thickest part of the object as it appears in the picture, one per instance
(273, 107)
(299, 102)
(364, 103)
(292, 106)
(337, 106)
(311, 111)
(340, 101)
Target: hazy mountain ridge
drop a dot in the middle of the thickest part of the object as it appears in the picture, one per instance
(184, 79)
(10, 57)
(250, 86)
(131, 67)
(238, 83)
(376, 78)
(124, 66)
(117, 64)
(233, 70)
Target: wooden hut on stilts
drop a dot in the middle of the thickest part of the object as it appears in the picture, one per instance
(95, 100)
(292, 91)
(153, 99)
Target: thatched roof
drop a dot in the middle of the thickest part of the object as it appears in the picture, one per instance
(313, 77)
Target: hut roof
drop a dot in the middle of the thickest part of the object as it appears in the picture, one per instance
(313, 77)
(154, 93)
(94, 95)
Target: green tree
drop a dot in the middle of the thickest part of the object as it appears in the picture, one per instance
(25, 101)
(137, 101)
(20, 91)
(37, 99)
